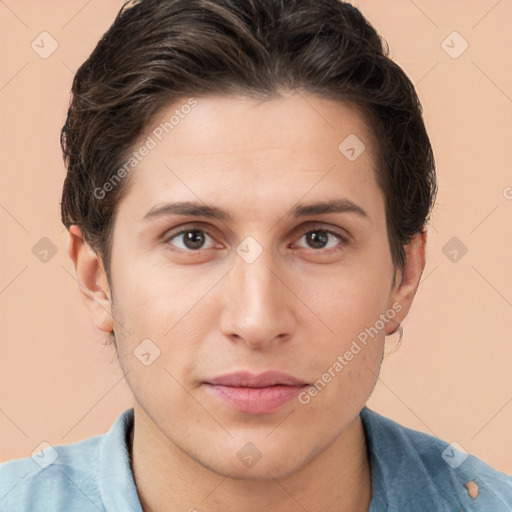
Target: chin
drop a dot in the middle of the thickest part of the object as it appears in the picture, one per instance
(251, 463)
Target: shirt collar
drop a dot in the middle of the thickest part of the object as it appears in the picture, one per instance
(117, 486)
(399, 476)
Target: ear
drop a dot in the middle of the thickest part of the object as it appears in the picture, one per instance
(92, 279)
(408, 279)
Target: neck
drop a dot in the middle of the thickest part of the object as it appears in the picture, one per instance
(168, 480)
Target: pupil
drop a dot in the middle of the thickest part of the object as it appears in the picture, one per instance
(193, 240)
(318, 241)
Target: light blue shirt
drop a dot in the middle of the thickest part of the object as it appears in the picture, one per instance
(411, 472)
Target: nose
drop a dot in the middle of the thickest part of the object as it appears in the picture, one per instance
(259, 306)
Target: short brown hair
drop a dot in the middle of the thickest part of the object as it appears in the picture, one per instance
(159, 51)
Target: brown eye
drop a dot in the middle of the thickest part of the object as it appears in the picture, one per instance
(191, 239)
(320, 238)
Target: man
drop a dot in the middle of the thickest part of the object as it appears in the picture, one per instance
(247, 192)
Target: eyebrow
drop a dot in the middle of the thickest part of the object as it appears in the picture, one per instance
(194, 209)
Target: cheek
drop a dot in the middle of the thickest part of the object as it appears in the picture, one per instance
(161, 313)
(158, 343)
(152, 297)
(349, 300)
(346, 331)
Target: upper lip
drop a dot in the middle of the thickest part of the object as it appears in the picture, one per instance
(261, 380)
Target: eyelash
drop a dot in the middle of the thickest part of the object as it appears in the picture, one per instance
(198, 227)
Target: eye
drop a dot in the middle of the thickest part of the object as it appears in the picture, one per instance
(195, 239)
(318, 238)
(192, 239)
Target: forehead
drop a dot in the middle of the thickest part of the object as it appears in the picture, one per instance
(293, 121)
(268, 150)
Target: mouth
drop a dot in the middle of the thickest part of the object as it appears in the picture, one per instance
(248, 393)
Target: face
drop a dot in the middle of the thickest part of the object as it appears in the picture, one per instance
(264, 284)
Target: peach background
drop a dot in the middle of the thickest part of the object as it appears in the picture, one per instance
(452, 375)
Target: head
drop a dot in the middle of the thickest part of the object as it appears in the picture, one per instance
(254, 111)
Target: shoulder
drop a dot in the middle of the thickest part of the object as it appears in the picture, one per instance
(88, 476)
(62, 477)
(414, 470)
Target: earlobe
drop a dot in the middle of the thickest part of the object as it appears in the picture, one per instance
(408, 280)
(92, 279)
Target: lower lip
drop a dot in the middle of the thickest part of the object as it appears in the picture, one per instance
(255, 400)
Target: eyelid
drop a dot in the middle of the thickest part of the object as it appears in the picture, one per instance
(187, 226)
(322, 226)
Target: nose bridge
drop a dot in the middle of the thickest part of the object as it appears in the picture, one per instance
(256, 283)
(258, 306)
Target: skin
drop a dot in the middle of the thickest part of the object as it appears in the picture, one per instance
(296, 308)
